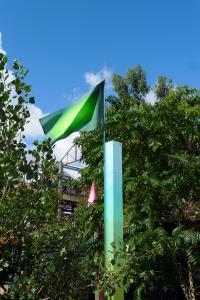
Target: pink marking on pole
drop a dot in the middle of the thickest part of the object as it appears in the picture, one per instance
(92, 195)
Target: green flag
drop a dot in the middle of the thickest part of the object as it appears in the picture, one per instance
(85, 115)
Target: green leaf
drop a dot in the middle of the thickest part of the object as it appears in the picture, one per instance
(32, 100)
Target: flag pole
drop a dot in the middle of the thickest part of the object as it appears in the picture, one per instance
(99, 295)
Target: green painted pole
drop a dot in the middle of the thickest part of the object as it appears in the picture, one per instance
(113, 206)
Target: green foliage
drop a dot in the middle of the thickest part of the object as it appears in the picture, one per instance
(161, 174)
(40, 256)
(134, 83)
(163, 87)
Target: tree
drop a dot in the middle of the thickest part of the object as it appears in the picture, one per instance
(41, 256)
(163, 87)
(44, 257)
(133, 84)
(161, 184)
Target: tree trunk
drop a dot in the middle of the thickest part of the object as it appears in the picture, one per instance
(187, 286)
(191, 283)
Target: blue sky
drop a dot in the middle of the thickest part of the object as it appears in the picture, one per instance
(60, 41)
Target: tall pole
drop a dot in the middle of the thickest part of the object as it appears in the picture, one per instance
(113, 208)
(99, 295)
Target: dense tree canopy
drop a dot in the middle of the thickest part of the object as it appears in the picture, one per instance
(161, 176)
(43, 257)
